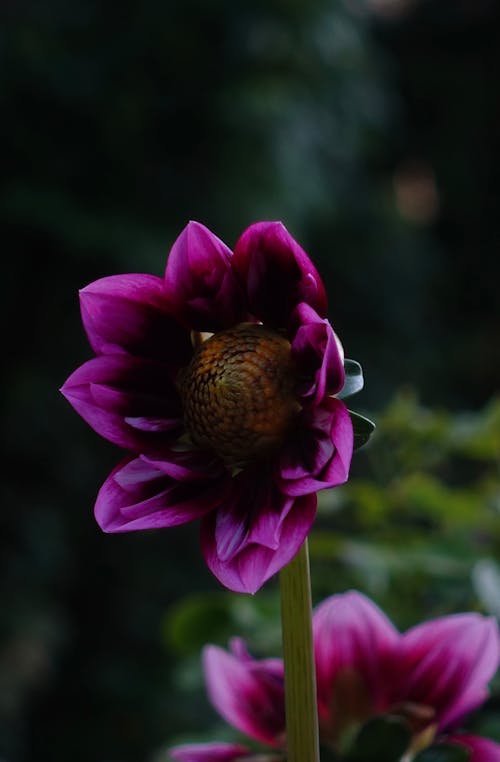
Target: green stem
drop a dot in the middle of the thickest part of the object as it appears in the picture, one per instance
(300, 677)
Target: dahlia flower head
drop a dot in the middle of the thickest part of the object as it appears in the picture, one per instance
(223, 380)
(426, 681)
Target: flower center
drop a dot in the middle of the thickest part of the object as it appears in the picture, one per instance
(238, 393)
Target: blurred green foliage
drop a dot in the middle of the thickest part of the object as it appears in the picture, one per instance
(374, 136)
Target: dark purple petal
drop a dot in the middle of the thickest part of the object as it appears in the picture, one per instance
(208, 752)
(318, 356)
(353, 646)
(276, 273)
(185, 464)
(200, 284)
(129, 314)
(136, 495)
(481, 749)
(248, 695)
(319, 455)
(246, 568)
(131, 402)
(447, 663)
(253, 513)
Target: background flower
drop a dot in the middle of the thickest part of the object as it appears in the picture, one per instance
(432, 675)
(249, 694)
(429, 677)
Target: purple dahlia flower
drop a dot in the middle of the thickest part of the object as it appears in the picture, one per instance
(432, 676)
(219, 379)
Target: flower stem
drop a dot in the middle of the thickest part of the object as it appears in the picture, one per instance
(300, 677)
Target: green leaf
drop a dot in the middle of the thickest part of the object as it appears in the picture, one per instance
(382, 739)
(444, 753)
(197, 620)
(354, 380)
(363, 429)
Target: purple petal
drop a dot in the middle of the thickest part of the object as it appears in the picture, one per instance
(200, 284)
(481, 749)
(319, 456)
(252, 564)
(276, 273)
(131, 402)
(208, 752)
(447, 664)
(253, 513)
(353, 646)
(271, 667)
(238, 648)
(187, 464)
(136, 495)
(318, 355)
(247, 694)
(129, 314)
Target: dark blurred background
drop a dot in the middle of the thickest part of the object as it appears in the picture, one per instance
(371, 128)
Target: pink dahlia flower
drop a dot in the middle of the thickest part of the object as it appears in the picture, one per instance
(250, 695)
(219, 380)
(431, 677)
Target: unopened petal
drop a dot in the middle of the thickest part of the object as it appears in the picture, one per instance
(246, 695)
(129, 314)
(200, 284)
(276, 274)
(137, 495)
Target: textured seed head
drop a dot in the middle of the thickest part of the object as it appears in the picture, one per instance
(238, 393)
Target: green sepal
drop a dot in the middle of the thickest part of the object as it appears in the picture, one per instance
(363, 429)
(444, 752)
(382, 739)
(354, 380)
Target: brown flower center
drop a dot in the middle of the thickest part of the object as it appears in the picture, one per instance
(238, 393)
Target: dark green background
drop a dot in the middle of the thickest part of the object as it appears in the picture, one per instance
(372, 131)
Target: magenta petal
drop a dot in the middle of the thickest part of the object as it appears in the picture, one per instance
(271, 667)
(320, 455)
(447, 664)
(353, 646)
(252, 513)
(129, 401)
(136, 495)
(276, 273)
(129, 314)
(208, 752)
(248, 569)
(200, 284)
(318, 355)
(481, 749)
(247, 694)
(187, 464)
